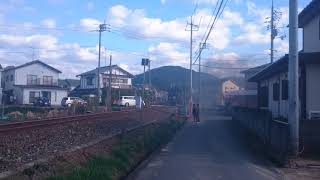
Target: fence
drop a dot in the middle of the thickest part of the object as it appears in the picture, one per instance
(273, 134)
(310, 137)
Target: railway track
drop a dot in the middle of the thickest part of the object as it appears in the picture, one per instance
(12, 127)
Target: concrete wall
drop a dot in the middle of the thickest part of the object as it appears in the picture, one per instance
(311, 39)
(56, 95)
(312, 87)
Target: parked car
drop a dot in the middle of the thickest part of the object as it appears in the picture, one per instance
(42, 101)
(68, 101)
(127, 101)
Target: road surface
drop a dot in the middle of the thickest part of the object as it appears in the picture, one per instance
(215, 149)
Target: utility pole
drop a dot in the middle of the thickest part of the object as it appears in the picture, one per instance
(109, 103)
(102, 28)
(193, 27)
(272, 28)
(149, 66)
(294, 104)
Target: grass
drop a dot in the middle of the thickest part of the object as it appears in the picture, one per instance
(131, 149)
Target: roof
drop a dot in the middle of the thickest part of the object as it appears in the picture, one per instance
(255, 69)
(103, 69)
(309, 12)
(69, 82)
(30, 63)
(282, 65)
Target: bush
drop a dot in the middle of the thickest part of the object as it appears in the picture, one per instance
(16, 116)
(126, 154)
(53, 113)
(31, 115)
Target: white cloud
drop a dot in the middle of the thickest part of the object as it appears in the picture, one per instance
(89, 24)
(49, 23)
(168, 54)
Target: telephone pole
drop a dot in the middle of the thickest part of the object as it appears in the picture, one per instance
(272, 33)
(109, 103)
(149, 73)
(102, 28)
(294, 104)
(193, 27)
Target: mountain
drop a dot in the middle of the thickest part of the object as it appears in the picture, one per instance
(175, 77)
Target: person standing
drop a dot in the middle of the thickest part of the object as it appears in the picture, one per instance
(194, 112)
(198, 112)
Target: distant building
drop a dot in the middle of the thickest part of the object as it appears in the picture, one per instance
(273, 80)
(121, 79)
(24, 83)
(247, 97)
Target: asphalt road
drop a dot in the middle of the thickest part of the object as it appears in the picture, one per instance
(215, 149)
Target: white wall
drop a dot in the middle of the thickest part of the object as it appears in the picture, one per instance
(312, 87)
(311, 39)
(278, 108)
(56, 95)
(34, 69)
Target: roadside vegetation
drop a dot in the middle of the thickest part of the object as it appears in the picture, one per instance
(132, 149)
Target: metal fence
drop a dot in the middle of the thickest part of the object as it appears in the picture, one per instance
(273, 134)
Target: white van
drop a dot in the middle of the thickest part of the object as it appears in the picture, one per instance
(127, 101)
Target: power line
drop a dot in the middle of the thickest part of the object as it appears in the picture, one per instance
(218, 14)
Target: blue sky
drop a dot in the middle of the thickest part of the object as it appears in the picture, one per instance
(60, 32)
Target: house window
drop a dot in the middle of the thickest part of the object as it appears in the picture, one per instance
(284, 90)
(33, 95)
(276, 91)
(264, 96)
(31, 79)
(11, 77)
(47, 80)
(7, 78)
(89, 81)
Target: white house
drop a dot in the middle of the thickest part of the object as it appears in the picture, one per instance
(22, 84)
(121, 79)
(273, 80)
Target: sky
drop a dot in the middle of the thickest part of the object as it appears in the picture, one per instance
(63, 33)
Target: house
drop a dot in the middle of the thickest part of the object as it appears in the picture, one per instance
(273, 80)
(24, 83)
(69, 84)
(248, 96)
(121, 79)
(1, 69)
